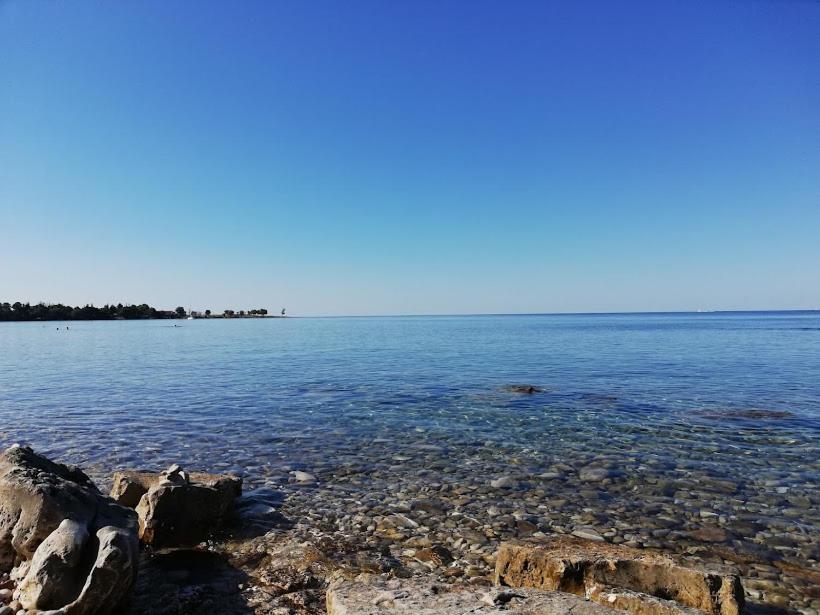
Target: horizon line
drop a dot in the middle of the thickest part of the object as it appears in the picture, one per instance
(609, 313)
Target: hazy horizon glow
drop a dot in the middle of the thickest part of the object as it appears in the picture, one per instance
(411, 157)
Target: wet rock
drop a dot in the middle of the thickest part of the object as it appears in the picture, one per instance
(174, 508)
(69, 547)
(259, 508)
(586, 568)
(420, 596)
(303, 477)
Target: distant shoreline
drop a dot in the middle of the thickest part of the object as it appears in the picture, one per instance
(43, 312)
(217, 317)
(718, 313)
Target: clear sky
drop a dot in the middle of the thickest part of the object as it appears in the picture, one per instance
(411, 157)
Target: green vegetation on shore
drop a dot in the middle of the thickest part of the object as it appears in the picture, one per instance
(57, 311)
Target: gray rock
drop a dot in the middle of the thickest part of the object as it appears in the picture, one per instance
(48, 579)
(303, 477)
(587, 533)
(504, 482)
(177, 509)
(48, 515)
(595, 474)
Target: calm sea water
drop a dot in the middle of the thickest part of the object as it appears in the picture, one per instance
(147, 391)
(151, 392)
(705, 415)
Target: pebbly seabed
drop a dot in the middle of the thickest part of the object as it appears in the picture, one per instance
(420, 501)
(399, 442)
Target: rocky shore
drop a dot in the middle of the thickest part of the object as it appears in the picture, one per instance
(179, 542)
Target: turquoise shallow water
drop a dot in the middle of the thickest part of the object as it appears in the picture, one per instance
(707, 426)
(195, 390)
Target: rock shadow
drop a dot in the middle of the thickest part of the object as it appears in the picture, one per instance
(188, 581)
(755, 608)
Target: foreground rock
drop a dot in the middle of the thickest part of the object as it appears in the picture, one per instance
(67, 547)
(176, 508)
(625, 578)
(421, 597)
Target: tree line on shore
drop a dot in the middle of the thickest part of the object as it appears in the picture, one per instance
(57, 311)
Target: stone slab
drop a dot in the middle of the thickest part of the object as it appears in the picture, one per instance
(631, 579)
(420, 596)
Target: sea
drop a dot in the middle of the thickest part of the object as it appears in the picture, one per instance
(714, 417)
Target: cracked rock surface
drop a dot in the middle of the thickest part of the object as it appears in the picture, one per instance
(419, 596)
(629, 579)
(64, 546)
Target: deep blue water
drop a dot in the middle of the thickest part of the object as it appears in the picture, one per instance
(149, 392)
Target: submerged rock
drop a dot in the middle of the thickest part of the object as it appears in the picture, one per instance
(504, 482)
(759, 414)
(174, 508)
(709, 534)
(303, 477)
(523, 389)
(69, 547)
(594, 474)
(632, 580)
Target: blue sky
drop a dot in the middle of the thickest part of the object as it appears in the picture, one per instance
(412, 157)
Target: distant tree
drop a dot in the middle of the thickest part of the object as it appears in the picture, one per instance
(263, 311)
(87, 312)
(57, 311)
(207, 312)
(180, 312)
